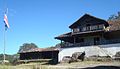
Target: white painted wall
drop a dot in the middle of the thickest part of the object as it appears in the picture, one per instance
(101, 50)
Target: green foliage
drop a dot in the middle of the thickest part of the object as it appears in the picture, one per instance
(27, 46)
(62, 44)
(114, 17)
(10, 58)
(58, 45)
(14, 58)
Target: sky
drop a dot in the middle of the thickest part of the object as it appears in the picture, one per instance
(39, 21)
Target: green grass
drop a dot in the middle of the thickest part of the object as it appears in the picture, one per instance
(58, 66)
(6, 67)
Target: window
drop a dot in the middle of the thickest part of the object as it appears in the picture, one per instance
(101, 26)
(83, 29)
(81, 40)
(97, 27)
(88, 27)
(96, 40)
(76, 30)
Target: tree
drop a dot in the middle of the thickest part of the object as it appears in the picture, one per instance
(62, 44)
(10, 58)
(114, 17)
(27, 46)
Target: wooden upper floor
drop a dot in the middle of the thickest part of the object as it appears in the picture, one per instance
(88, 23)
(87, 28)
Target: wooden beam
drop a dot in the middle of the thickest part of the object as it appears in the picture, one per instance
(74, 39)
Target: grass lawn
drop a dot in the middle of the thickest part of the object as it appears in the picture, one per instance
(6, 67)
(73, 65)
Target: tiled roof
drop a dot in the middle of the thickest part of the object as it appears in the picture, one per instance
(64, 35)
(114, 25)
(40, 50)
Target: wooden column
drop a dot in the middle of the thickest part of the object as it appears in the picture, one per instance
(74, 39)
(61, 43)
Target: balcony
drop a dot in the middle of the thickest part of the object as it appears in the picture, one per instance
(92, 28)
(105, 42)
(89, 28)
(76, 45)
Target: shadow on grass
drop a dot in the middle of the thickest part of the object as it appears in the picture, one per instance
(51, 62)
(100, 67)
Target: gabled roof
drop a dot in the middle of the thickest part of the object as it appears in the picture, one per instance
(86, 17)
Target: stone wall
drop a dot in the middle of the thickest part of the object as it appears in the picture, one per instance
(101, 50)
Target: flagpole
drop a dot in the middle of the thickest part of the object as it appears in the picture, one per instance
(5, 28)
(4, 44)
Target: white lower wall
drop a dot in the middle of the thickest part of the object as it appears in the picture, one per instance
(101, 50)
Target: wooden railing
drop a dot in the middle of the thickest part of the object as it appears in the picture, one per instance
(90, 44)
(89, 28)
(92, 28)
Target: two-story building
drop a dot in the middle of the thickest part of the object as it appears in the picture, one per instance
(93, 35)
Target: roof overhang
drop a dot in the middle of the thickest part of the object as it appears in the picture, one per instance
(70, 37)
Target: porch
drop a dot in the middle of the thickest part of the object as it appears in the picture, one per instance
(82, 44)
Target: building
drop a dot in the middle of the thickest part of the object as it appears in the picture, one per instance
(93, 35)
(40, 54)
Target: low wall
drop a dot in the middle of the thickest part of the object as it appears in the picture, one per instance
(101, 50)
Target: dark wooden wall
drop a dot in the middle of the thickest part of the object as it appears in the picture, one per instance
(40, 55)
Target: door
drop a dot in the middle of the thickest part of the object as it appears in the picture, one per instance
(96, 40)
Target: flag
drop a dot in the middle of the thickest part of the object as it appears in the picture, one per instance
(6, 21)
